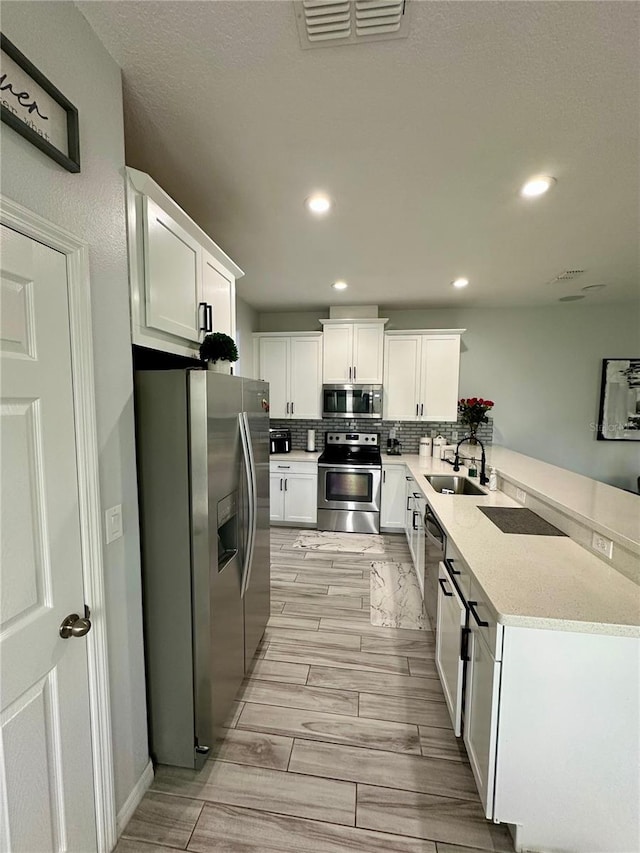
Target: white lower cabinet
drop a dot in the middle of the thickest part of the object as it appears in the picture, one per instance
(293, 492)
(414, 505)
(481, 713)
(392, 501)
(450, 625)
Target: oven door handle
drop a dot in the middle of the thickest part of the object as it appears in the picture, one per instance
(364, 469)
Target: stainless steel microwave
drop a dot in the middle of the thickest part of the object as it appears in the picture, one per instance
(352, 401)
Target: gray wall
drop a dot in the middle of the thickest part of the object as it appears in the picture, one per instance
(246, 325)
(56, 37)
(541, 366)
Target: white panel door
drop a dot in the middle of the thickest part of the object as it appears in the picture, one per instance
(440, 376)
(449, 663)
(481, 716)
(402, 377)
(368, 344)
(392, 501)
(305, 372)
(273, 366)
(337, 354)
(276, 497)
(301, 498)
(218, 291)
(172, 275)
(45, 742)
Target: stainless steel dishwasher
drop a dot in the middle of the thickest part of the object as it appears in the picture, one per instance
(434, 548)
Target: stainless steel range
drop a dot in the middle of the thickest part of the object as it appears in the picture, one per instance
(349, 482)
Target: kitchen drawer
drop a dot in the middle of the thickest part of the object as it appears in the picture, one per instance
(487, 623)
(293, 467)
(458, 570)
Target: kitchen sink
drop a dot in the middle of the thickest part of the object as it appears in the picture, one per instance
(453, 485)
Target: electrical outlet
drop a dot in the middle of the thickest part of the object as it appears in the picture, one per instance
(602, 545)
(521, 496)
(454, 435)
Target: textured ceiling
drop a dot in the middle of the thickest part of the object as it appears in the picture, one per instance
(422, 142)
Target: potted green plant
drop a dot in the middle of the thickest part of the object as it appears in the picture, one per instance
(220, 351)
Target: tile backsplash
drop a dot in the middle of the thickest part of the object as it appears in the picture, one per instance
(408, 433)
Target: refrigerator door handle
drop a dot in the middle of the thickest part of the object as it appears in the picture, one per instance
(247, 468)
(253, 500)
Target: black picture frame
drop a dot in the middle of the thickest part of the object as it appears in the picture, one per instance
(606, 408)
(71, 160)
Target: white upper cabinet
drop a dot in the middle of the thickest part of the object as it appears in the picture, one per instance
(292, 365)
(172, 275)
(421, 375)
(353, 352)
(337, 359)
(219, 295)
(273, 367)
(182, 283)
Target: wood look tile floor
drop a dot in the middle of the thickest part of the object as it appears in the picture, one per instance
(339, 741)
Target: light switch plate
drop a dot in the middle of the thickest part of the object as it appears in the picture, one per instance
(113, 523)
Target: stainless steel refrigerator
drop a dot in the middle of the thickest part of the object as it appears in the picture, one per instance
(203, 470)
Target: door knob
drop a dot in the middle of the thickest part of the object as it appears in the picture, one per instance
(74, 626)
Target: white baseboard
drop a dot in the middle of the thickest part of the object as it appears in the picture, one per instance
(133, 800)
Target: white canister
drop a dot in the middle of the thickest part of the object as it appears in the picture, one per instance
(425, 446)
(438, 443)
(311, 440)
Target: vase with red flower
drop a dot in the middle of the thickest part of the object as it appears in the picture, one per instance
(473, 412)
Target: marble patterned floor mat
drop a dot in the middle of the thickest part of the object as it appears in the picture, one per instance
(396, 601)
(347, 543)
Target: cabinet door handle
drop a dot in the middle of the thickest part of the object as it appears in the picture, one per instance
(413, 519)
(209, 318)
(442, 582)
(354, 373)
(284, 466)
(384, 476)
(292, 408)
(472, 608)
(417, 409)
(421, 409)
(287, 408)
(349, 374)
(204, 327)
(449, 561)
(464, 644)
(281, 481)
(285, 485)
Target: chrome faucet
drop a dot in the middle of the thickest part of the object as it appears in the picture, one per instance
(483, 461)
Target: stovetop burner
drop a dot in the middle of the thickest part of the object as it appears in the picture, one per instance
(351, 448)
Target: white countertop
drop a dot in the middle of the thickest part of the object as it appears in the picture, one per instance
(537, 581)
(531, 581)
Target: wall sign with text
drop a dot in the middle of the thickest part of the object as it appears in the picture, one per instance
(32, 106)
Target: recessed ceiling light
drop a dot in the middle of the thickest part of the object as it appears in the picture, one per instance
(570, 298)
(594, 287)
(318, 203)
(537, 186)
(460, 282)
(339, 285)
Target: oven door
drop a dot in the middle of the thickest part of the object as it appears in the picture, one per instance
(349, 487)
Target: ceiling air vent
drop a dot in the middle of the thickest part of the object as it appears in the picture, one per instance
(567, 275)
(325, 23)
